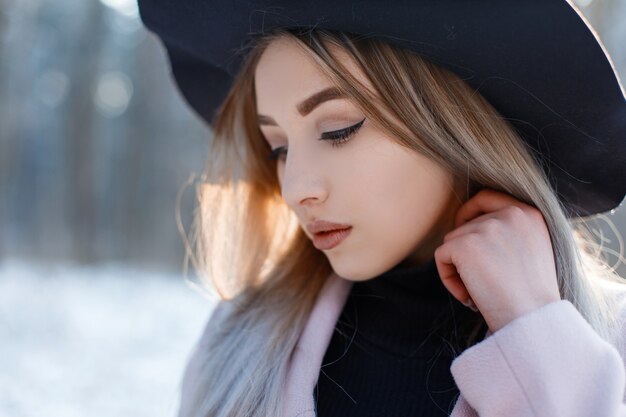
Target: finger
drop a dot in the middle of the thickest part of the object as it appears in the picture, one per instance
(449, 274)
(485, 201)
(469, 227)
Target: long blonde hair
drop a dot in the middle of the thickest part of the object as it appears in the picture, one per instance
(252, 256)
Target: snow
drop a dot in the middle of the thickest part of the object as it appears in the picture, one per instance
(94, 341)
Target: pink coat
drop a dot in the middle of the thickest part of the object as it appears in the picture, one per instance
(548, 362)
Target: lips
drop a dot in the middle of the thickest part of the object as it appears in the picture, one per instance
(327, 235)
(328, 240)
(324, 226)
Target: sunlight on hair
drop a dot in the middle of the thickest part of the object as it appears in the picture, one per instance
(230, 201)
(285, 222)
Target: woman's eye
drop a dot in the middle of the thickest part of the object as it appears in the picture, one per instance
(336, 138)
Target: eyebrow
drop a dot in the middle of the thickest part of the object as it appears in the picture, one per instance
(307, 105)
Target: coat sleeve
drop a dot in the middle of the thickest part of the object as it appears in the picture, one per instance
(549, 362)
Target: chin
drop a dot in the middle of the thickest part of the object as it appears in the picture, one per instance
(356, 272)
(364, 266)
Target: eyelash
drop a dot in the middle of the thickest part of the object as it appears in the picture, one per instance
(336, 138)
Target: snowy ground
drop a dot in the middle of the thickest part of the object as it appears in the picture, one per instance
(94, 341)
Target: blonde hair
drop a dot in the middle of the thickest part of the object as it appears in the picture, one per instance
(250, 253)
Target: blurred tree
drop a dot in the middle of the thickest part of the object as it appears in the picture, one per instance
(95, 140)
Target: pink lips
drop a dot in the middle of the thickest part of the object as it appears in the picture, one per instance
(327, 235)
(328, 240)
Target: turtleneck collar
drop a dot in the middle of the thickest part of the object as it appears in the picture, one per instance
(419, 280)
(407, 310)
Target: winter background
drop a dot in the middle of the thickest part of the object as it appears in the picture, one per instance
(97, 157)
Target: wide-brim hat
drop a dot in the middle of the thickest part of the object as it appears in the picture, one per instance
(538, 62)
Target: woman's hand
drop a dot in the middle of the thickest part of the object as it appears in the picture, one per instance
(500, 256)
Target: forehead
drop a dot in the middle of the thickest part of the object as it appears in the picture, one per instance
(285, 74)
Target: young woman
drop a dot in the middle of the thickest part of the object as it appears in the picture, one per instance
(359, 197)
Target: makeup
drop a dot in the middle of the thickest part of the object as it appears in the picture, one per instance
(329, 240)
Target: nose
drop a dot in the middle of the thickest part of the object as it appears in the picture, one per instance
(304, 182)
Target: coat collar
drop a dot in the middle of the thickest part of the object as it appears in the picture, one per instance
(306, 360)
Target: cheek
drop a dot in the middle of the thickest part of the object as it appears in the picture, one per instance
(402, 201)
(391, 186)
(377, 193)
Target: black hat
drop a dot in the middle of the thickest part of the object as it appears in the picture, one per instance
(537, 62)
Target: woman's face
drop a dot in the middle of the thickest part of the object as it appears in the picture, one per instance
(398, 203)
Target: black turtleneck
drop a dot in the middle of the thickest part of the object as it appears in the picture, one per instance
(392, 347)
